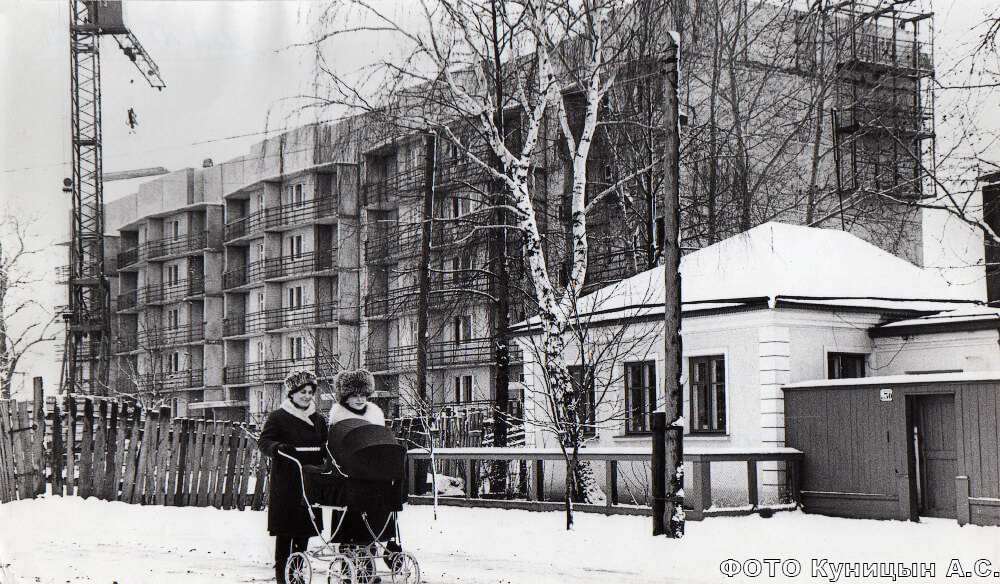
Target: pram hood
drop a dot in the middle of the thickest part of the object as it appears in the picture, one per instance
(366, 451)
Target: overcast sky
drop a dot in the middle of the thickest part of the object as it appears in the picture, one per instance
(230, 69)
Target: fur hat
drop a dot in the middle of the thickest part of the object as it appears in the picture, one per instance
(357, 382)
(296, 380)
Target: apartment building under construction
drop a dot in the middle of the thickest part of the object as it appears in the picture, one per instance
(308, 252)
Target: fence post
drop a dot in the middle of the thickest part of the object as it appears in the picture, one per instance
(38, 459)
(658, 467)
(752, 495)
(57, 449)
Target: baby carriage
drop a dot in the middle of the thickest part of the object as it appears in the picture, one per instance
(362, 481)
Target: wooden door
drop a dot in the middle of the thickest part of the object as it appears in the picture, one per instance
(935, 447)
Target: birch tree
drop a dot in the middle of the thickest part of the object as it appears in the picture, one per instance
(560, 63)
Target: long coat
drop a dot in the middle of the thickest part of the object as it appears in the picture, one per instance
(287, 513)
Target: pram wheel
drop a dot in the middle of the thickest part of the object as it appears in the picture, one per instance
(342, 571)
(298, 570)
(364, 564)
(405, 569)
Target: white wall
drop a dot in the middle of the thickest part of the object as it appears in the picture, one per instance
(956, 351)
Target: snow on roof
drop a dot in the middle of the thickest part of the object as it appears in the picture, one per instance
(781, 260)
(898, 379)
(963, 314)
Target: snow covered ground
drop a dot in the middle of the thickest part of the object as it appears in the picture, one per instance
(56, 540)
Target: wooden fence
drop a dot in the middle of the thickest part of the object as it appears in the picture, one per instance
(97, 447)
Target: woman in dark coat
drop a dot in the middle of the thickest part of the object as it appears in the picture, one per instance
(298, 430)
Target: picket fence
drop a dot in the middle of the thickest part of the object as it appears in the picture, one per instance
(110, 449)
(104, 448)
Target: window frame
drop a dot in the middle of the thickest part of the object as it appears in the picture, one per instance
(839, 356)
(647, 391)
(712, 394)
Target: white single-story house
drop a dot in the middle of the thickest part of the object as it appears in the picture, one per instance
(775, 305)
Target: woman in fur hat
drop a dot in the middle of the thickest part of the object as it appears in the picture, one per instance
(352, 390)
(295, 429)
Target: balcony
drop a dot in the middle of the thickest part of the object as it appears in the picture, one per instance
(128, 257)
(126, 342)
(440, 355)
(873, 113)
(173, 246)
(468, 229)
(191, 333)
(244, 374)
(294, 214)
(323, 365)
(303, 316)
(252, 273)
(386, 245)
(171, 292)
(247, 226)
(386, 191)
(905, 55)
(300, 265)
(444, 294)
(162, 382)
(128, 299)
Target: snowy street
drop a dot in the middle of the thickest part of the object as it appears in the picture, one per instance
(57, 540)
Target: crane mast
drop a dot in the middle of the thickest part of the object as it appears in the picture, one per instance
(88, 319)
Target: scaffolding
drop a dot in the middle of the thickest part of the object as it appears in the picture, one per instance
(884, 114)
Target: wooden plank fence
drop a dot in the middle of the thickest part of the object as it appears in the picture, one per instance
(112, 450)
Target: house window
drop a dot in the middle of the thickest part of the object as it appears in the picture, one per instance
(295, 348)
(174, 229)
(460, 206)
(295, 247)
(173, 317)
(583, 382)
(174, 362)
(640, 395)
(173, 275)
(259, 200)
(708, 393)
(260, 301)
(463, 328)
(260, 251)
(463, 388)
(295, 297)
(293, 195)
(845, 365)
(260, 351)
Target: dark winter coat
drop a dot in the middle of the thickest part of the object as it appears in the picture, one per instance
(287, 513)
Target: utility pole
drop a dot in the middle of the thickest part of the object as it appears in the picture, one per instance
(424, 275)
(674, 468)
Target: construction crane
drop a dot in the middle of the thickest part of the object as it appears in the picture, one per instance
(88, 316)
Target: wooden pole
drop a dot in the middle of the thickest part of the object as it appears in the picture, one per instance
(657, 471)
(674, 463)
(38, 460)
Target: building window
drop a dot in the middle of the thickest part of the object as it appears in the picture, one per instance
(708, 393)
(260, 351)
(583, 382)
(640, 395)
(174, 362)
(295, 348)
(295, 297)
(173, 275)
(463, 388)
(845, 365)
(295, 247)
(294, 196)
(463, 328)
(174, 228)
(173, 317)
